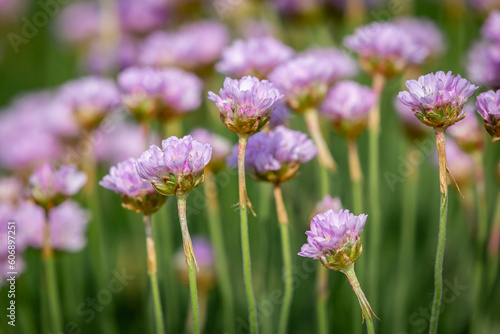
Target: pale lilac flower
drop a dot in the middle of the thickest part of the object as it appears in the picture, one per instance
(68, 226)
(327, 203)
(425, 33)
(347, 104)
(305, 79)
(140, 16)
(91, 99)
(491, 28)
(246, 105)
(49, 187)
(221, 147)
(483, 64)
(191, 47)
(79, 22)
(176, 168)
(437, 99)
(255, 56)
(413, 128)
(488, 106)
(138, 194)
(275, 156)
(467, 133)
(385, 48)
(125, 140)
(334, 238)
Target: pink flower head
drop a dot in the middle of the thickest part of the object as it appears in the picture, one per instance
(488, 107)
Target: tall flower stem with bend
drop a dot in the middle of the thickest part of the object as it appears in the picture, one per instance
(287, 259)
(374, 192)
(245, 240)
(51, 279)
(443, 212)
(190, 261)
(152, 270)
(217, 237)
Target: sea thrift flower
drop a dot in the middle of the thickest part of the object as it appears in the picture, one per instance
(142, 16)
(305, 79)
(255, 56)
(191, 47)
(138, 195)
(437, 99)
(91, 99)
(50, 187)
(221, 147)
(79, 22)
(425, 33)
(347, 104)
(68, 227)
(488, 106)
(485, 72)
(277, 155)
(491, 28)
(414, 129)
(468, 134)
(385, 48)
(334, 239)
(246, 105)
(176, 168)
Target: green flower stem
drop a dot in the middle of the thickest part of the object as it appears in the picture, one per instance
(374, 191)
(356, 176)
(363, 302)
(494, 246)
(245, 240)
(287, 259)
(438, 269)
(325, 158)
(51, 280)
(217, 237)
(407, 240)
(152, 270)
(190, 261)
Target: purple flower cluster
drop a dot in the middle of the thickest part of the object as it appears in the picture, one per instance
(138, 194)
(483, 60)
(425, 33)
(50, 187)
(165, 93)
(305, 79)
(246, 105)
(191, 47)
(255, 56)
(334, 239)
(176, 168)
(385, 48)
(437, 99)
(90, 98)
(275, 156)
(488, 106)
(347, 104)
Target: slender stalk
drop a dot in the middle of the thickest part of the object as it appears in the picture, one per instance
(494, 246)
(438, 269)
(287, 259)
(324, 156)
(356, 176)
(406, 246)
(217, 237)
(152, 270)
(245, 240)
(322, 274)
(51, 279)
(363, 302)
(374, 191)
(190, 261)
